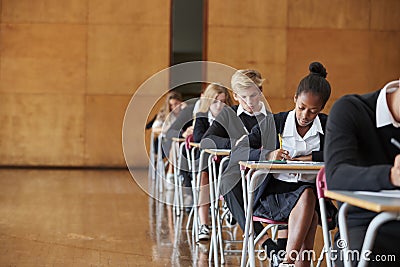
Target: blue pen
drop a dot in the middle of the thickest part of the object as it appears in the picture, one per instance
(395, 142)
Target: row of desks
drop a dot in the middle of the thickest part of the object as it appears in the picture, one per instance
(387, 207)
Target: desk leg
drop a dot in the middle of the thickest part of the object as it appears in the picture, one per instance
(192, 165)
(344, 233)
(175, 168)
(326, 234)
(160, 165)
(372, 231)
(214, 242)
(248, 227)
(196, 191)
(151, 153)
(219, 222)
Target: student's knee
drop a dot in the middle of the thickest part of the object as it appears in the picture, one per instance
(308, 197)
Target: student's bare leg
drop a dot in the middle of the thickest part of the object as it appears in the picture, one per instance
(204, 198)
(308, 245)
(300, 221)
(170, 163)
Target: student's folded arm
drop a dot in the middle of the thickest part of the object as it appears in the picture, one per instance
(215, 137)
(181, 123)
(341, 152)
(200, 128)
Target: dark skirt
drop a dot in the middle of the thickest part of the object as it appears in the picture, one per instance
(279, 198)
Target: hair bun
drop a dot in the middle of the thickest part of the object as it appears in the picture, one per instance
(318, 69)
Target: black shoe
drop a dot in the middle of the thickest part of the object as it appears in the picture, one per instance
(204, 233)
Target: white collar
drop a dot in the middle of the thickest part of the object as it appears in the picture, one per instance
(290, 126)
(241, 110)
(211, 118)
(383, 115)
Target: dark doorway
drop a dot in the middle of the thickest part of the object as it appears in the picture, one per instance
(187, 38)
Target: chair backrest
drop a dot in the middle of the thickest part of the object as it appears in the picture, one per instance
(321, 183)
(268, 221)
(188, 139)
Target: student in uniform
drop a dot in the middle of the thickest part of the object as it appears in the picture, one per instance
(169, 111)
(166, 117)
(214, 98)
(230, 125)
(292, 197)
(359, 156)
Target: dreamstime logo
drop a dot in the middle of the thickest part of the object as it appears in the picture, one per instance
(341, 243)
(142, 103)
(343, 254)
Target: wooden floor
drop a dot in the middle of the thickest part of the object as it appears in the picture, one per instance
(91, 218)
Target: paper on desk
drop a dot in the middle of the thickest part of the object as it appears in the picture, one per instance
(382, 193)
(304, 162)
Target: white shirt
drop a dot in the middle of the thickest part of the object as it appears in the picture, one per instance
(196, 107)
(299, 146)
(240, 110)
(211, 118)
(383, 115)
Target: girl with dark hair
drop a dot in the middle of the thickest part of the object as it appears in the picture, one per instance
(291, 197)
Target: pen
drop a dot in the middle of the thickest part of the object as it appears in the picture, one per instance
(395, 142)
(280, 141)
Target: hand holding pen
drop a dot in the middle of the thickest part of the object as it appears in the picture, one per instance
(279, 154)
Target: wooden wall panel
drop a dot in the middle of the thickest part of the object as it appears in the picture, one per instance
(117, 64)
(266, 54)
(72, 65)
(255, 14)
(27, 11)
(345, 55)
(385, 15)
(150, 12)
(42, 58)
(67, 72)
(41, 129)
(356, 40)
(338, 14)
(384, 58)
(138, 115)
(104, 117)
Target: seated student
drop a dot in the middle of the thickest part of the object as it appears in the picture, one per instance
(169, 111)
(233, 122)
(215, 97)
(291, 197)
(182, 127)
(230, 125)
(166, 117)
(359, 156)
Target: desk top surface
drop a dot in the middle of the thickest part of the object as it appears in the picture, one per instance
(292, 166)
(218, 152)
(157, 130)
(370, 202)
(194, 144)
(178, 139)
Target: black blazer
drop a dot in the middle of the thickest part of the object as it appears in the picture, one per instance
(358, 155)
(280, 120)
(201, 125)
(228, 128)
